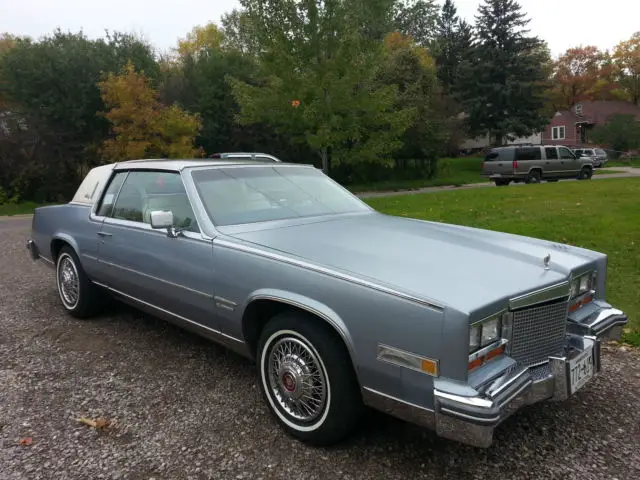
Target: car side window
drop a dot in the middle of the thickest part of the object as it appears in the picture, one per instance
(551, 152)
(528, 153)
(145, 191)
(565, 153)
(105, 208)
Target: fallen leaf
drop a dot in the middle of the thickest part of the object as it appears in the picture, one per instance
(99, 423)
(26, 441)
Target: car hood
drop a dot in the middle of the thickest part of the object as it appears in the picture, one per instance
(462, 267)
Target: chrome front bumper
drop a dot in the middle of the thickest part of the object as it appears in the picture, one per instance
(473, 419)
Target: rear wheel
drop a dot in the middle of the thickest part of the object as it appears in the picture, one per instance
(79, 296)
(501, 182)
(534, 176)
(307, 380)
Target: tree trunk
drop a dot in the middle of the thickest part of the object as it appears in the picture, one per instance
(324, 154)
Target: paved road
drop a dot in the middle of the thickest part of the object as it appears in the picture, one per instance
(185, 408)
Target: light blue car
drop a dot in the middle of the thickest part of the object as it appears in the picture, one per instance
(341, 307)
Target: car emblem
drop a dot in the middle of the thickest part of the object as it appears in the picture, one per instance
(547, 260)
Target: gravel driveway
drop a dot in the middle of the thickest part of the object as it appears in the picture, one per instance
(185, 408)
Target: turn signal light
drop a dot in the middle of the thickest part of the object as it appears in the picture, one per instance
(491, 354)
(583, 301)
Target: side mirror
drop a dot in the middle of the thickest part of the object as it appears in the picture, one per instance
(161, 219)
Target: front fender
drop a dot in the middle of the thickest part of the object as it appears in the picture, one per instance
(310, 305)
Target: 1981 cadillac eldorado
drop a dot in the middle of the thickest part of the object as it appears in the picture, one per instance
(341, 307)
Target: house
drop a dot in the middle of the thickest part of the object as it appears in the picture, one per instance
(572, 127)
(476, 144)
(480, 143)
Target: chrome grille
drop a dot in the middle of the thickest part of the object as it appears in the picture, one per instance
(538, 332)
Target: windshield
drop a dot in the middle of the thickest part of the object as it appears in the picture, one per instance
(237, 195)
(599, 151)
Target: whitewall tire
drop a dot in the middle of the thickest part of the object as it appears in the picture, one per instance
(307, 380)
(78, 295)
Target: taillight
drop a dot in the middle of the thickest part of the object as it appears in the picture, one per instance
(515, 164)
(483, 165)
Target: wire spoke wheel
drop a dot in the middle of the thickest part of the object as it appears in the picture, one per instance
(297, 380)
(68, 282)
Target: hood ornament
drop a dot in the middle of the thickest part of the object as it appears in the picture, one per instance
(547, 260)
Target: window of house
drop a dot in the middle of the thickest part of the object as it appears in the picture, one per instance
(558, 133)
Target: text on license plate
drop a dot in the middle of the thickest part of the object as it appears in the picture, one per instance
(580, 370)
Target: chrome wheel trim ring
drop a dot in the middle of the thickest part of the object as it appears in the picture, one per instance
(286, 377)
(68, 281)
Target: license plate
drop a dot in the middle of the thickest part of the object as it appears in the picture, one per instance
(580, 370)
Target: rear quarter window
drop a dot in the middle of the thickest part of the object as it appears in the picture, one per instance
(528, 153)
(493, 156)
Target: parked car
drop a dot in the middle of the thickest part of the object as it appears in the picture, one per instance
(449, 327)
(598, 155)
(532, 164)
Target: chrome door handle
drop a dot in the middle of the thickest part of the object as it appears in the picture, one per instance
(104, 234)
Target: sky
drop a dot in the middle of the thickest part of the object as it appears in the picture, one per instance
(562, 23)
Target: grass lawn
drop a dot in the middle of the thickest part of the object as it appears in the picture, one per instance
(602, 216)
(25, 208)
(605, 171)
(451, 171)
(634, 162)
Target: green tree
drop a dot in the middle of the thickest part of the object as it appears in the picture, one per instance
(417, 19)
(199, 84)
(503, 83)
(412, 70)
(627, 60)
(452, 45)
(620, 132)
(317, 69)
(51, 85)
(237, 27)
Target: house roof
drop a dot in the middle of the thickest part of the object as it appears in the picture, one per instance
(598, 111)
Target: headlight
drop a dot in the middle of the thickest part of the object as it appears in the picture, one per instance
(474, 338)
(583, 284)
(490, 331)
(581, 287)
(484, 333)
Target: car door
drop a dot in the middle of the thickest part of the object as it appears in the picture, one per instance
(173, 274)
(569, 164)
(552, 162)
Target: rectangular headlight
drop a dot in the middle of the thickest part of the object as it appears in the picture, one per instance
(474, 338)
(583, 284)
(484, 333)
(490, 331)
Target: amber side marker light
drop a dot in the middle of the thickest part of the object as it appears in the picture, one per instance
(491, 354)
(584, 301)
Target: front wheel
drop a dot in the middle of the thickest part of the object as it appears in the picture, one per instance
(585, 174)
(307, 380)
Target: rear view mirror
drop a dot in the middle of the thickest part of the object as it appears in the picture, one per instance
(161, 219)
